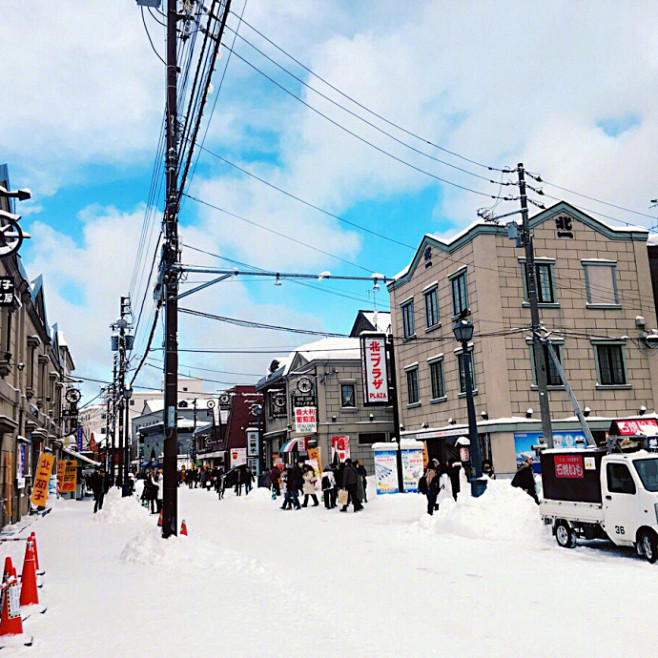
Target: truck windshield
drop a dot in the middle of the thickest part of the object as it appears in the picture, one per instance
(647, 469)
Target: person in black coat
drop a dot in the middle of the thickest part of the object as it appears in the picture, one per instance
(98, 486)
(454, 468)
(293, 485)
(525, 479)
(350, 478)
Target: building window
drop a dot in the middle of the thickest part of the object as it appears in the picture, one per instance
(459, 293)
(413, 396)
(369, 438)
(552, 375)
(432, 308)
(408, 328)
(610, 368)
(436, 380)
(462, 378)
(347, 395)
(601, 283)
(544, 281)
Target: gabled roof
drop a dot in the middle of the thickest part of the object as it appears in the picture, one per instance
(487, 228)
(371, 321)
(39, 301)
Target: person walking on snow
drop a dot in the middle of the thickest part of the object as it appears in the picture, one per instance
(158, 481)
(361, 470)
(248, 480)
(293, 477)
(329, 487)
(350, 481)
(98, 487)
(454, 473)
(432, 481)
(525, 479)
(309, 486)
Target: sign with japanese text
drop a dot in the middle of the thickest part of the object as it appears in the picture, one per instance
(42, 480)
(569, 466)
(238, 457)
(20, 467)
(6, 291)
(340, 445)
(61, 465)
(386, 472)
(79, 438)
(252, 443)
(374, 370)
(306, 419)
(641, 426)
(70, 478)
(412, 468)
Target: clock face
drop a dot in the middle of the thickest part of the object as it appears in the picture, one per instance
(304, 385)
(73, 395)
(280, 400)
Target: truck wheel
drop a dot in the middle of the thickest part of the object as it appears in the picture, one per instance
(649, 546)
(564, 535)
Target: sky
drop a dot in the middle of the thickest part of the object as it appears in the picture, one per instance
(566, 88)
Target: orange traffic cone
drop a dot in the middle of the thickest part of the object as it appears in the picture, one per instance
(10, 620)
(36, 552)
(160, 519)
(29, 594)
(183, 528)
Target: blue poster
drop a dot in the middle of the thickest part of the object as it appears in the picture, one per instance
(523, 442)
(79, 437)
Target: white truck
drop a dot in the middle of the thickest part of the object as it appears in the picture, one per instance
(594, 494)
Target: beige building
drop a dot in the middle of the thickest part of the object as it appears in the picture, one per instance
(595, 294)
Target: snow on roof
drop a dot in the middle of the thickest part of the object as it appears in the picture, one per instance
(380, 320)
(652, 239)
(330, 349)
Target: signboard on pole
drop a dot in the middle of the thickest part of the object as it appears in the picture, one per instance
(374, 369)
(306, 419)
(20, 467)
(42, 480)
(70, 478)
(238, 457)
(79, 438)
(252, 443)
(314, 460)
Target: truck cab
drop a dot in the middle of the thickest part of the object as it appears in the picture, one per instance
(591, 494)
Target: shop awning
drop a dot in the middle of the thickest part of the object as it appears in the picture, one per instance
(291, 445)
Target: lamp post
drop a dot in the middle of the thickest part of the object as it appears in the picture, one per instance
(464, 333)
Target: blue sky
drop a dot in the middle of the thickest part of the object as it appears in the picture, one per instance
(568, 89)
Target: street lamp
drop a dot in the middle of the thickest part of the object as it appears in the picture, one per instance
(464, 333)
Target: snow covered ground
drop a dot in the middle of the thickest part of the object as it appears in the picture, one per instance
(482, 577)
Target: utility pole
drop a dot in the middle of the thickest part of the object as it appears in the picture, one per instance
(114, 419)
(531, 284)
(171, 262)
(396, 410)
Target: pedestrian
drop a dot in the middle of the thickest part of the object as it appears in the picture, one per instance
(219, 484)
(350, 482)
(275, 479)
(239, 479)
(328, 483)
(487, 469)
(158, 480)
(432, 477)
(293, 475)
(454, 473)
(189, 478)
(361, 470)
(153, 492)
(248, 477)
(98, 482)
(309, 486)
(525, 479)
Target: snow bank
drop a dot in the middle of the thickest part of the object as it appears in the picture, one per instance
(502, 513)
(117, 509)
(184, 554)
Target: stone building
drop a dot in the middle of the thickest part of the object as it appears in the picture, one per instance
(595, 297)
(34, 364)
(324, 376)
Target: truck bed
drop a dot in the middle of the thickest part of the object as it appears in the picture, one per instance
(572, 511)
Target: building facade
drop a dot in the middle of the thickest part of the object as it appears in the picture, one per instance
(324, 376)
(595, 297)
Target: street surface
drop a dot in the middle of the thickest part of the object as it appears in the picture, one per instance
(480, 577)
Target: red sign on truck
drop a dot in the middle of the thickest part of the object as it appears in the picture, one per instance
(569, 466)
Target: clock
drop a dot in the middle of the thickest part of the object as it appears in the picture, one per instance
(73, 395)
(304, 385)
(279, 400)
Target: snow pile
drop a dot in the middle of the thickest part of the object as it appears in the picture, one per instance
(184, 554)
(502, 513)
(117, 509)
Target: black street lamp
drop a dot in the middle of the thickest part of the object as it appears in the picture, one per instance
(464, 333)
